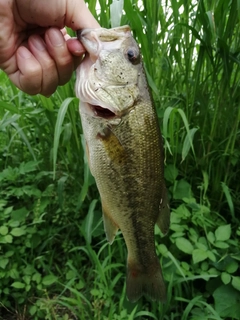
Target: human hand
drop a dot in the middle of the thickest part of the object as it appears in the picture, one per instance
(35, 51)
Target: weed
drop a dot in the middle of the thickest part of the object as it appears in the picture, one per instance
(54, 260)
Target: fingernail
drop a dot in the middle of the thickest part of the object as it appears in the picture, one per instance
(55, 37)
(38, 43)
(24, 53)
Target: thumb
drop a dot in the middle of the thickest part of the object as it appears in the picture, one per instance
(78, 16)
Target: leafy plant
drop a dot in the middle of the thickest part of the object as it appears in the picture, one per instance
(55, 262)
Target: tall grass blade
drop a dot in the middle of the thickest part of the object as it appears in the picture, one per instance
(88, 227)
(229, 199)
(188, 143)
(190, 305)
(24, 138)
(58, 129)
(116, 9)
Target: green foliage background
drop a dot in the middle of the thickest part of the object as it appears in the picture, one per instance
(54, 260)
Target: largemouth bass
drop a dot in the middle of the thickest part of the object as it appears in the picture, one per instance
(125, 152)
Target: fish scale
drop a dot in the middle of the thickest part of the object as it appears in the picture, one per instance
(125, 151)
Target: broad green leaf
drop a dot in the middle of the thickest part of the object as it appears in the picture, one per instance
(236, 282)
(211, 237)
(49, 279)
(211, 256)
(182, 190)
(223, 233)
(32, 310)
(13, 224)
(221, 245)
(201, 246)
(31, 191)
(3, 262)
(28, 167)
(18, 232)
(163, 250)
(226, 278)
(70, 275)
(227, 301)
(9, 253)
(18, 285)
(3, 230)
(95, 292)
(232, 266)
(8, 210)
(37, 277)
(13, 273)
(175, 218)
(199, 255)
(20, 214)
(171, 173)
(184, 245)
(185, 266)
(8, 238)
(204, 266)
(27, 279)
(39, 286)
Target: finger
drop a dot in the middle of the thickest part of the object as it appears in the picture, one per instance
(72, 13)
(79, 16)
(64, 31)
(58, 49)
(49, 71)
(28, 76)
(75, 47)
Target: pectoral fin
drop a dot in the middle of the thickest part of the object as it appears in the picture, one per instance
(110, 226)
(163, 220)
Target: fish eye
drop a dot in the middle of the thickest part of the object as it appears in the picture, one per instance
(133, 55)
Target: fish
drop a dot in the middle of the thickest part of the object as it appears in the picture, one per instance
(125, 151)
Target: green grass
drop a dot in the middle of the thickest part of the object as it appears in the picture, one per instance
(55, 262)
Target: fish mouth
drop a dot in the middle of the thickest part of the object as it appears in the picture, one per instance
(102, 112)
(94, 40)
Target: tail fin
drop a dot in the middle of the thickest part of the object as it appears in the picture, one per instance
(151, 284)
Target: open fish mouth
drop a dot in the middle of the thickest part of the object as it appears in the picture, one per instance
(102, 112)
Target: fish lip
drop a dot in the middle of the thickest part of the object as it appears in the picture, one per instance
(93, 45)
(118, 30)
(92, 40)
(79, 32)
